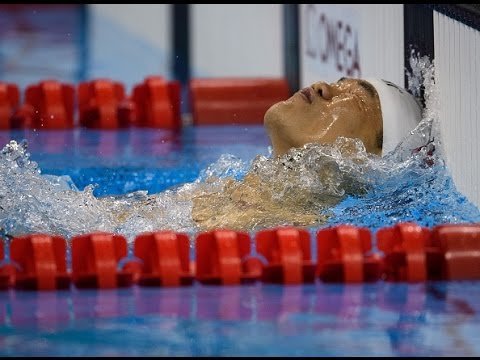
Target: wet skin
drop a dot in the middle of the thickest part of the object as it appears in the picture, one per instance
(322, 112)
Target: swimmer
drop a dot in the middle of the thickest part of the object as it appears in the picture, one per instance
(377, 112)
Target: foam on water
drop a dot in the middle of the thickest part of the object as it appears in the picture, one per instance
(313, 186)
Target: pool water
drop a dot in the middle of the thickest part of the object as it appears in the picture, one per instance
(379, 319)
(123, 161)
(382, 319)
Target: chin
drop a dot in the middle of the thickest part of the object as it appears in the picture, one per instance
(274, 115)
(271, 119)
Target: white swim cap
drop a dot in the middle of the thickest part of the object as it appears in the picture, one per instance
(401, 112)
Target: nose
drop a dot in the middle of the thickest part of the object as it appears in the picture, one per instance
(323, 89)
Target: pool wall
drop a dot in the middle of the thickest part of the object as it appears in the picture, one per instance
(339, 40)
(218, 42)
(457, 61)
(145, 46)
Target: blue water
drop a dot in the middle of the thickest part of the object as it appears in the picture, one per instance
(137, 159)
(380, 319)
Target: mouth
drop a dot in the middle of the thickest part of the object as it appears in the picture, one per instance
(307, 94)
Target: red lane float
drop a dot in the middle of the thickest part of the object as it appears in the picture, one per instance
(223, 258)
(457, 247)
(40, 262)
(165, 259)
(405, 249)
(103, 104)
(219, 101)
(96, 259)
(9, 101)
(288, 255)
(48, 105)
(411, 253)
(153, 103)
(343, 255)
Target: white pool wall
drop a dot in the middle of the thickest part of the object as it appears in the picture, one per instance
(376, 36)
(457, 66)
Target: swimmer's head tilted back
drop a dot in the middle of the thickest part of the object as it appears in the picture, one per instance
(371, 111)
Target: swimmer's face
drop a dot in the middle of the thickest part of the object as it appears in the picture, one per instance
(322, 112)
